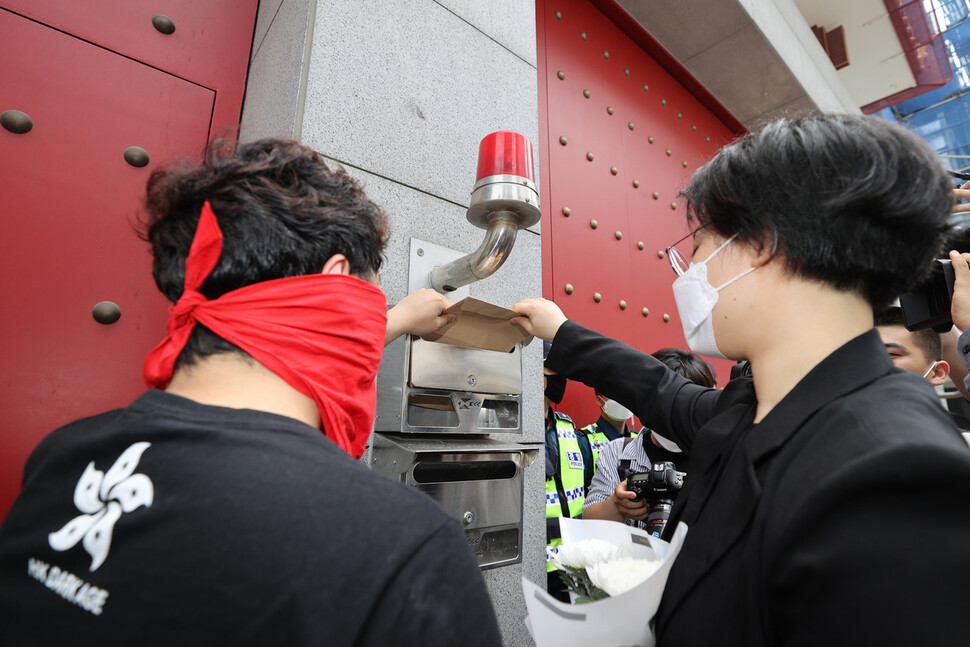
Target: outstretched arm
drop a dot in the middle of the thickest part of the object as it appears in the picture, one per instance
(419, 313)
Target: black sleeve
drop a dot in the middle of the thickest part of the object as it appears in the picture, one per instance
(880, 555)
(437, 598)
(661, 398)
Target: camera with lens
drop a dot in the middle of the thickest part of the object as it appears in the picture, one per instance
(928, 305)
(658, 487)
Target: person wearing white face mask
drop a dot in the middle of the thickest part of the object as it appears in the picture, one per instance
(608, 497)
(612, 424)
(919, 351)
(804, 474)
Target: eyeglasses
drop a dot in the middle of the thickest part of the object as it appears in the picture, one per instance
(678, 262)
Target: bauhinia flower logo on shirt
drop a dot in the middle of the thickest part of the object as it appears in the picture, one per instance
(102, 497)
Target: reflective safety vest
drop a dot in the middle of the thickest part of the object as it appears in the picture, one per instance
(568, 485)
(597, 439)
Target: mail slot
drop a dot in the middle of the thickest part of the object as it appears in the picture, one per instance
(429, 387)
(479, 483)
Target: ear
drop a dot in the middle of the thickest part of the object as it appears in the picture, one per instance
(762, 255)
(940, 372)
(600, 401)
(336, 264)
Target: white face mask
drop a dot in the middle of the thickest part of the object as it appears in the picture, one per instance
(616, 411)
(930, 369)
(696, 298)
(669, 445)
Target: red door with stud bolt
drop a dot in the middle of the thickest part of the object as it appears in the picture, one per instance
(102, 116)
(621, 135)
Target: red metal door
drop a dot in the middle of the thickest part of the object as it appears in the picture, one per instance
(69, 208)
(621, 136)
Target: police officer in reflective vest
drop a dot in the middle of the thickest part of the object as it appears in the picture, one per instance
(611, 425)
(567, 454)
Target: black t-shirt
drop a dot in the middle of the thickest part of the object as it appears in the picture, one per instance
(176, 523)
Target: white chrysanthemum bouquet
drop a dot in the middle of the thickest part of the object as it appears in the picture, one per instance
(616, 576)
(594, 569)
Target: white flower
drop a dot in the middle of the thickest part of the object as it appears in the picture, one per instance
(622, 574)
(581, 554)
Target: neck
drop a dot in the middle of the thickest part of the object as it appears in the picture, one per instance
(794, 339)
(617, 424)
(239, 382)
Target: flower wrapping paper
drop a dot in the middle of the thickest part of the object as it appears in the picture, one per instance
(623, 620)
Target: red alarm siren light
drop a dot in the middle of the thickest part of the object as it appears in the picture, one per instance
(505, 153)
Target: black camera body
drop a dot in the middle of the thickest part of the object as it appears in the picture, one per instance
(928, 305)
(658, 487)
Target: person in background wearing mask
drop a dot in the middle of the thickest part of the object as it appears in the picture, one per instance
(566, 453)
(919, 351)
(608, 497)
(227, 505)
(612, 424)
(828, 482)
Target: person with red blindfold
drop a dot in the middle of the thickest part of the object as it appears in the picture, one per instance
(226, 505)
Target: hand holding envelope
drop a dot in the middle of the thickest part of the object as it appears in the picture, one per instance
(482, 325)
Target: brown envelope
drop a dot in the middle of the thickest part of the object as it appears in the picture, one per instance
(480, 325)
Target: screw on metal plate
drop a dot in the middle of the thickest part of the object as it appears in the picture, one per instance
(586, 93)
(589, 156)
(594, 224)
(472, 380)
(468, 517)
(660, 254)
(645, 312)
(622, 305)
(566, 211)
(420, 252)
(569, 288)
(561, 75)
(646, 88)
(650, 139)
(597, 297)
(636, 184)
(618, 234)
(609, 110)
(656, 196)
(640, 245)
(582, 35)
(614, 170)
(563, 140)
(666, 317)
(17, 122)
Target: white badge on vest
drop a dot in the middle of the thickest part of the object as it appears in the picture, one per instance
(575, 460)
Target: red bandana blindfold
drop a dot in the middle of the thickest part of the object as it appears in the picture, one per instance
(322, 333)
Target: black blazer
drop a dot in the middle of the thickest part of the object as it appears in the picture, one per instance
(842, 518)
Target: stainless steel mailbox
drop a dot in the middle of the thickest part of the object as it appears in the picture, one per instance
(478, 483)
(428, 387)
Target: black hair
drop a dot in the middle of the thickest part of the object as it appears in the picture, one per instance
(687, 364)
(854, 202)
(282, 211)
(927, 340)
